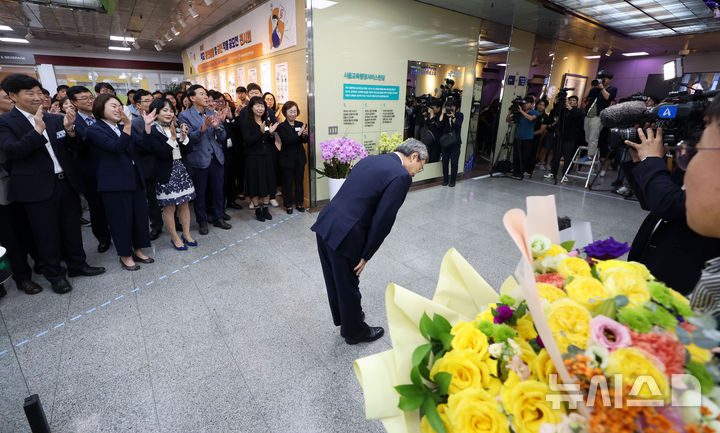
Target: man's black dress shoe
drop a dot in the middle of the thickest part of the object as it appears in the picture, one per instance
(30, 287)
(451, 184)
(445, 183)
(37, 268)
(103, 246)
(203, 230)
(234, 205)
(146, 261)
(134, 267)
(155, 233)
(289, 210)
(226, 217)
(259, 214)
(222, 224)
(61, 286)
(371, 334)
(86, 271)
(300, 209)
(266, 213)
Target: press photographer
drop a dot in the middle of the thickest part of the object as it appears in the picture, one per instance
(432, 128)
(568, 124)
(597, 99)
(522, 113)
(448, 126)
(672, 251)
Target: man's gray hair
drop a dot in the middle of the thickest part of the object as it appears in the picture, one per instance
(411, 146)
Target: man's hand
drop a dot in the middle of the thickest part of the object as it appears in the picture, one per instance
(69, 119)
(39, 122)
(651, 145)
(207, 121)
(216, 119)
(360, 267)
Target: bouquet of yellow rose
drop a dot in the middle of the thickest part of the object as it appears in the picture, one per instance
(584, 343)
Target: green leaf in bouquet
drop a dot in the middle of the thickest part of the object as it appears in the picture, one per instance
(424, 371)
(446, 340)
(420, 354)
(521, 309)
(705, 338)
(706, 321)
(433, 416)
(415, 377)
(683, 335)
(594, 273)
(427, 327)
(573, 350)
(568, 245)
(409, 404)
(621, 301)
(411, 391)
(441, 324)
(536, 347)
(442, 380)
(607, 308)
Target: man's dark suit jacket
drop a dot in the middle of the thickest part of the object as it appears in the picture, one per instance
(145, 155)
(360, 216)
(32, 174)
(118, 165)
(673, 253)
(85, 158)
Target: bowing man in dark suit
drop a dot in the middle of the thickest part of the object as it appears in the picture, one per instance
(44, 179)
(120, 179)
(82, 99)
(354, 224)
(291, 158)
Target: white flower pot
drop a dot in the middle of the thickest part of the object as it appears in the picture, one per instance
(335, 185)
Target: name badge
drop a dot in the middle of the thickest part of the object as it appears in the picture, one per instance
(267, 129)
(297, 129)
(61, 134)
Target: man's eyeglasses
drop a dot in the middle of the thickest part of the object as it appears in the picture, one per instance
(685, 151)
(86, 98)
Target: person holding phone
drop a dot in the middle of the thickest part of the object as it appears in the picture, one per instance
(259, 138)
(293, 133)
(174, 188)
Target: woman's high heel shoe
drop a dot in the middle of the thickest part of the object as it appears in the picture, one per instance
(192, 244)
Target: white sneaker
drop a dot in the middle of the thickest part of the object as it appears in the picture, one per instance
(274, 202)
(602, 173)
(549, 176)
(527, 174)
(251, 205)
(623, 190)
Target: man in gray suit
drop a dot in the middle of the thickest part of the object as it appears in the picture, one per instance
(15, 234)
(206, 159)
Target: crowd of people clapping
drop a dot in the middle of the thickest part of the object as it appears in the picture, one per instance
(139, 165)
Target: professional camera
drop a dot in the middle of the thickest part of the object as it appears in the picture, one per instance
(604, 74)
(562, 95)
(515, 106)
(637, 97)
(681, 118)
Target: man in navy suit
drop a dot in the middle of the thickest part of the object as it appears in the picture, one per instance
(206, 160)
(44, 179)
(354, 224)
(82, 99)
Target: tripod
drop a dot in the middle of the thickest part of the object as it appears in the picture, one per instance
(506, 146)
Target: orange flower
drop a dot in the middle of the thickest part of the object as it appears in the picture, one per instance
(705, 411)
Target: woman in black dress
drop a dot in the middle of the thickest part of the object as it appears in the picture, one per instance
(292, 158)
(259, 139)
(174, 188)
(119, 179)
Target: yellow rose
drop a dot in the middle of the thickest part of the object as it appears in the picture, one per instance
(525, 327)
(550, 292)
(570, 324)
(586, 291)
(542, 366)
(486, 316)
(468, 371)
(638, 268)
(698, 354)
(528, 353)
(574, 266)
(468, 336)
(553, 251)
(442, 411)
(529, 406)
(621, 281)
(632, 363)
(475, 410)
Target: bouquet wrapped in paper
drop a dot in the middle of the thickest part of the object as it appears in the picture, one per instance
(580, 342)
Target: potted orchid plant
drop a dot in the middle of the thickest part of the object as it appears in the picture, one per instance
(339, 155)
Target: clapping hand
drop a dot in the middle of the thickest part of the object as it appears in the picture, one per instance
(69, 119)
(149, 118)
(303, 130)
(183, 131)
(207, 121)
(273, 127)
(39, 122)
(173, 132)
(217, 119)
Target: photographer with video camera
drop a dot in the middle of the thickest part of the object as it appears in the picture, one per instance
(598, 99)
(523, 114)
(665, 243)
(568, 124)
(448, 127)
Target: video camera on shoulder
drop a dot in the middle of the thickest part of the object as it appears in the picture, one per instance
(681, 118)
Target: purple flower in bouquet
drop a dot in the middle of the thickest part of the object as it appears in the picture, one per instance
(502, 313)
(607, 249)
(609, 333)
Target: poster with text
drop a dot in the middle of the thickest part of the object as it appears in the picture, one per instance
(266, 29)
(231, 83)
(241, 77)
(252, 76)
(223, 82)
(202, 81)
(215, 83)
(282, 89)
(265, 77)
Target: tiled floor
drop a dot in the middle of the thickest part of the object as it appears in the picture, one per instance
(236, 335)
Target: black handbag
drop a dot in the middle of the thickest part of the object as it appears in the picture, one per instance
(427, 137)
(448, 140)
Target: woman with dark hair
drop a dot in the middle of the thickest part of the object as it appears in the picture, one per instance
(66, 105)
(178, 101)
(292, 158)
(120, 180)
(186, 103)
(259, 139)
(270, 101)
(171, 99)
(174, 188)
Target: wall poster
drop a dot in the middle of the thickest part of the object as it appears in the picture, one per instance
(252, 76)
(282, 89)
(266, 77)
(231, 83)
(223, 82)
(241, 77)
